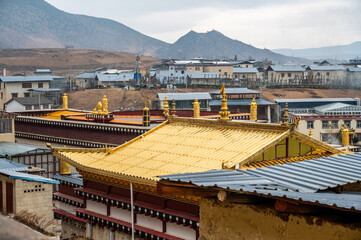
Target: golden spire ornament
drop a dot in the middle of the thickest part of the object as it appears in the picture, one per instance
(173, 109)
(196, 107)
(253, 111)
(285, 115)
(224, 109)
(165, 106)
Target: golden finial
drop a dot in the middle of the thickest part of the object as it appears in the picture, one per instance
(285, 115)
(310, 133)
(105, 105)
(173, 109)
(65, 101)
(297, 121)
(100, 107)
(146, 115)
(224, 109)
(94, 111)
(345, 136)
(196, 107)
(165, 106)
(253, 111)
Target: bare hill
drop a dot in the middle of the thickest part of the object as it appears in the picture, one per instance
(63, 61)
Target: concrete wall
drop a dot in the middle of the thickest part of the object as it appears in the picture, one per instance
(69, 230)
(103, 233)
(9, 137)
(14, 106)
(249, 221)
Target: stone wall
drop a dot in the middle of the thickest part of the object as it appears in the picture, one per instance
(69, 230)
(248, 221)
(103, 233)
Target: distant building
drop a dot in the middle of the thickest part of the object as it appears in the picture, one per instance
(114, 80)
(284, 74)
(7, 129)
(27, 103)
(85, 80)
(326, 74)
(204, 79)
(249, 64)
(185, 100)
(247, 75)
(354, 77)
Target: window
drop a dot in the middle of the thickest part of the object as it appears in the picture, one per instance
(14, 95)
(45, 106)
(219, 70)
(334, 124)
(27, 107)
(347, 123)
(5, 125)
(309, 124)
(324, 124)
(26, 94)
(328, 73)
(182, 72)
(289, 74)
(198, 68)
(358, 124)
(282, 74)
(26, 85)
(40, 85)
(36, 106)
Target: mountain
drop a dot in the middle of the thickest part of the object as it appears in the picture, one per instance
(214, 44)
(37, 24)
(340, 52)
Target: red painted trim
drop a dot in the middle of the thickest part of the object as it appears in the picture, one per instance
(68, 197)
(143, 229)
(70, 215)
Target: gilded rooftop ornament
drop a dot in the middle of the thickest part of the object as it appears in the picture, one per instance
(285, 115)
(173, 109)
(65, 101)
(253, 110)
(224, 109)
(165, 106)
(105, 105)
(196, 109)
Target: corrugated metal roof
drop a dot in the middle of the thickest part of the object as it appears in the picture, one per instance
(74, 178)
(204, 75)
(326, 68)
(10, 149)
(86, 76)
(28, 177)
(245, 70)
(9, 165)
(29, 78)
(331, 106)
(240, 102)
(121, 77)
(287, 68)
(235, 91)
(45, 90)
(30, 100)
(185, 96)
(354, 69)
(288, 100)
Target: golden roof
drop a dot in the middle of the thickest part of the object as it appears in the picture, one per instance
(182, 145)
(57, 114)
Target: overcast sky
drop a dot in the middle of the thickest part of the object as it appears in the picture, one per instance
(262, 23)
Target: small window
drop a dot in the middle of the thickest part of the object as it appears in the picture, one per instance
(28, 107)
(358, 124)
(334, 124)
(328, 73)
(40, 85)
(26, 85)
(324, 124)
(282, 74)
(182, 72)
(14, 95)
(309, 124)
(26, 94)
(289, 74)
(347, 123)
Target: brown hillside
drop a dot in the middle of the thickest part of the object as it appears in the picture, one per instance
(118, 98)
(60, 60)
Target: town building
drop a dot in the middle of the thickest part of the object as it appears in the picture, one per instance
(7, 127)
(239, 100)
(284, 74)
(204, 79)
(21, 191)
(353, 77)
(247, 76)
(301, 200)
(19, 86)
(326, 74)
(27, 103)
(120, 79)
(85, 80)
(184, 100)
(120, 192)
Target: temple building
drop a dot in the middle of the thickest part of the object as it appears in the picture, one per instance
(120, 193)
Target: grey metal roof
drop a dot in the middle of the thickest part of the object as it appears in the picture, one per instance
(74, 178)
(185, 96)
(10, 149)
(288, 100)
(240, 102)
(86, 76)
(204, 75)
(31, 100)
(245, 70)
(354, 69)
(305, 181)
(120, 77)
(45, 90)
(9, 165)
(335, 107)
(286, 68)
(235, 91)
(326, 68)
(29, 78)
(27, 177)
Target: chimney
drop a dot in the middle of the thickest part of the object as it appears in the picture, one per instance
(4, 72)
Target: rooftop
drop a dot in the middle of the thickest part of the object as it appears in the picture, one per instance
(29, 78)
(31, 100)
(326, 68)
(286, 68)
(185, 96)
(288, 100)
(236, 91)
(27, 177)
(245, 70)
(240, 102)
(10, 148)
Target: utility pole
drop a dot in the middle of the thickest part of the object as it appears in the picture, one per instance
(137, 69)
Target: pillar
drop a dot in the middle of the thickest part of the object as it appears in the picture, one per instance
(253, 110)
(65, 101)
(89, 230)
(345, 136)
(196, 109)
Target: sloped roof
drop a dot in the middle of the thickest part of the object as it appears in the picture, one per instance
(29, 78)
(235, 91)
(286, 68)
(240, 102)
(86, 75)
(28, 177)
(245, 70)
(182, 145)
(9, 165)
(10, 148)
(31, 100)
(121, 77)
(326, 68)
(185, 96)
(204, 75)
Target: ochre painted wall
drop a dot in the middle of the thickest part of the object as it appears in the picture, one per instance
(248, 221)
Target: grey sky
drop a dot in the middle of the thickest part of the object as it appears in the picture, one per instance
(262, 23)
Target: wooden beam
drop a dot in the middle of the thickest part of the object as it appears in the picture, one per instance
(185, 191)
(287, 206)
